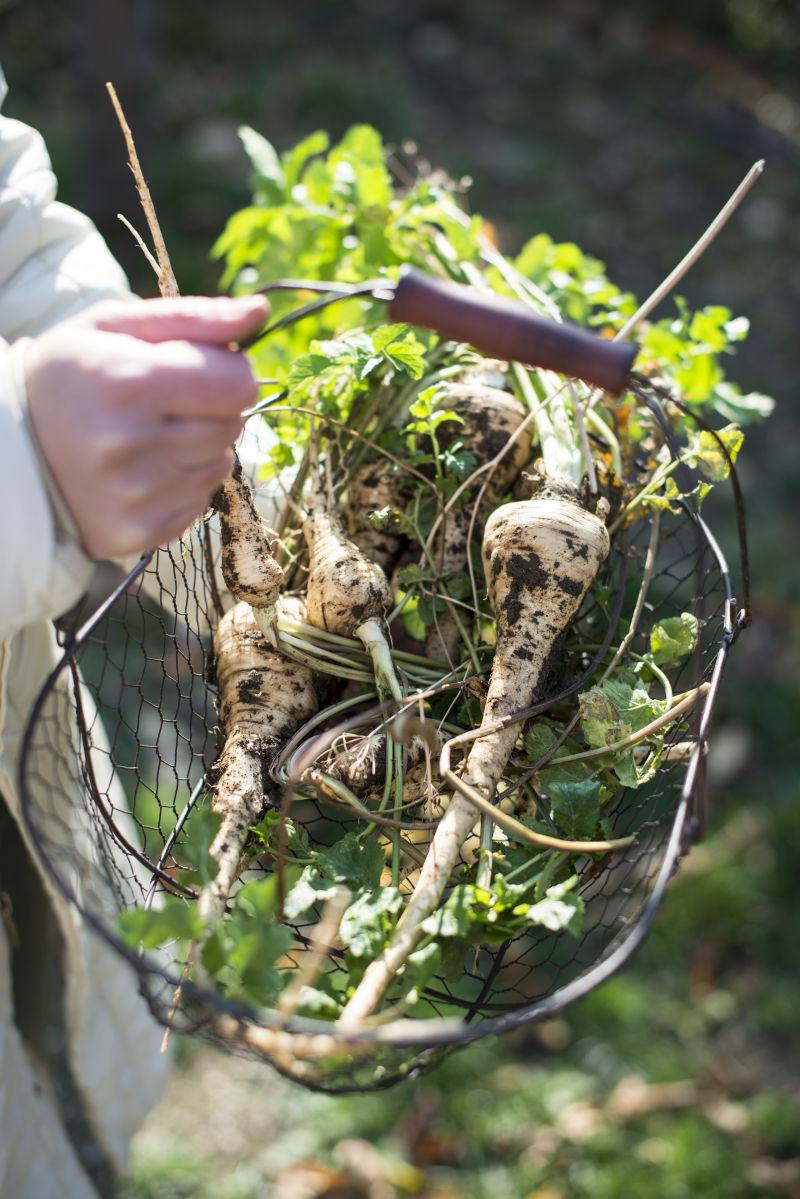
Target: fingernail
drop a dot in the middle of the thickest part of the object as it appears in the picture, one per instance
(246, 304)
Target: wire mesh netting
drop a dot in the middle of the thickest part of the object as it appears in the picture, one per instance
(118, 756)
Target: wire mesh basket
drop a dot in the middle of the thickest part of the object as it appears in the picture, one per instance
(124, 733)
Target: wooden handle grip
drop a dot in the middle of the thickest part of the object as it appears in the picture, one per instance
(506, 329)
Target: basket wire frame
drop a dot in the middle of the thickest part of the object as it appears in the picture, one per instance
(115, 757)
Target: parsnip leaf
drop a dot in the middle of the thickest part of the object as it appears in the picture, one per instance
(368, 922)
(673, 638)
(201, 830)
(352, 861)
(574, 801)
(174, 920)
(560, 908)
(707, 456)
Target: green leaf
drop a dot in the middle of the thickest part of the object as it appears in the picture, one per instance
(214, 955)
(424, 963)
(425, 402)
(673, 638)
(358, 169)
(742, 409)
(458, 462)
(267, 831)
(451, 968)
(539, 739)
(635, 706)
(709, 328)
(544, 880)
(632, 772)
(408, 357)
(295, 160)
(412, 572)
(575, 802)
(560, 909)
(307, 891)
(454, 918)
(368, 922)
(421, 966)
(599, 718)
(258, 899)
(706, 455)
(201, 829)
(308, 366)
(353, 862)
(412, 621)
(384, 335)
(253, 960)
(174, 920)
(699, 377)
(316, 1004)
(269, 174)
(281, 457)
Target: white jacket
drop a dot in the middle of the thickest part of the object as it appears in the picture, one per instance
(53, 263)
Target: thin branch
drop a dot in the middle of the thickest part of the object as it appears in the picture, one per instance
(521, 831)
(141, 243)
(320, 942)
(698, 249)
(167, 283)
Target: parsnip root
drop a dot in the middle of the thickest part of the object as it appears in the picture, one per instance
(264, 698)
(541, 557)
(348, 594)
(248, 566)
(489, 418)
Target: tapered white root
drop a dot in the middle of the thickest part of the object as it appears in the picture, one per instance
(348, 594)
(374, 486)
(249, 569)
(264, 698)
(541, 557)
(489, 419)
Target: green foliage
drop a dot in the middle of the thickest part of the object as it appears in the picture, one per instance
(574, 282)
(173, 919)
(242, 951)
(196, 843)
(574, 801)
(673, 638)
(368, 923)
(479, 915)
(707, 455)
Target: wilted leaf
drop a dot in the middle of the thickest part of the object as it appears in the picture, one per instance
(599, 718)
(706, 455)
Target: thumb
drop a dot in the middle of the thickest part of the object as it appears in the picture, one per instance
(215, 320)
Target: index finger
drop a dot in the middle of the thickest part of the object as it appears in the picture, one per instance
(191, 381)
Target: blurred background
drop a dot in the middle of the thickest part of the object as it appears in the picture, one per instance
(622, 127)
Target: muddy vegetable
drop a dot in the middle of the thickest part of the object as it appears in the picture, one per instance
(264, 697)
(541, 557)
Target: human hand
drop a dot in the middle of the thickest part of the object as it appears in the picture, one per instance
(136, 406)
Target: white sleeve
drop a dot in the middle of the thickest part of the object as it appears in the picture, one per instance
(44, 570)
(53, 263)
